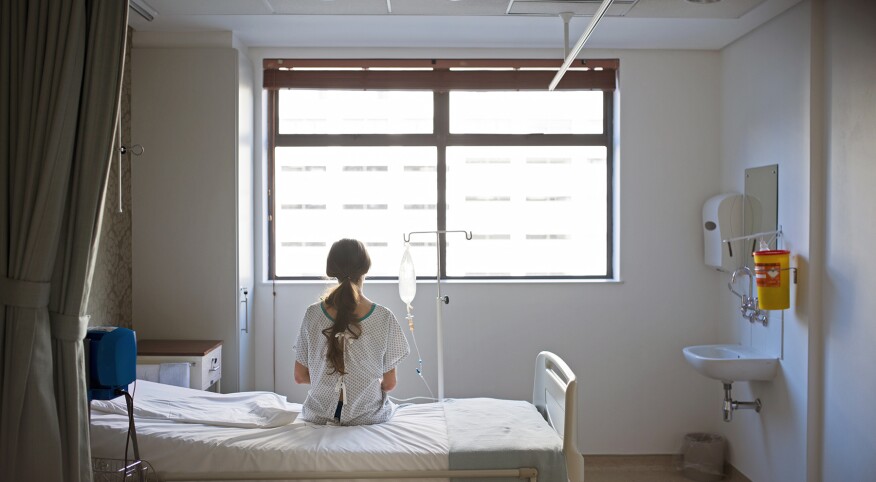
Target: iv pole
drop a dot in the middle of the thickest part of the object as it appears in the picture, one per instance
(439, 328)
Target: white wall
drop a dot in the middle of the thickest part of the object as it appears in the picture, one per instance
(185, 233)
(765, 92)
(623, 339)
(849, 429)
(245, 213)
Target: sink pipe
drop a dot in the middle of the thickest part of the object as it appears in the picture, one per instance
(730, 405)
(749, 307)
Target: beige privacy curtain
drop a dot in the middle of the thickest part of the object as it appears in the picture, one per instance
(60, 80)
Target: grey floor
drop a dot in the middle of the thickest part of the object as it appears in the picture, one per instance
(642, 468)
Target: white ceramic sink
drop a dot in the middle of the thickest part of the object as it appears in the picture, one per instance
(731, 363)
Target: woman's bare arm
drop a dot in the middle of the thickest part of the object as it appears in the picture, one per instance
(302, 374)
(389, 381)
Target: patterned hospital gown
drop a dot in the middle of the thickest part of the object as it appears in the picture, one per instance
(380, 347)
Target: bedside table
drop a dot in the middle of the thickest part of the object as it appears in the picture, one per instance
(205, 356)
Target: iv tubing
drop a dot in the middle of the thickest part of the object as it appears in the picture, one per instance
(419, 358)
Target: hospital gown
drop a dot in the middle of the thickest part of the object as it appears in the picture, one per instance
(379, 348)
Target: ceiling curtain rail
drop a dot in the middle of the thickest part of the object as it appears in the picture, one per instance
(588, 74)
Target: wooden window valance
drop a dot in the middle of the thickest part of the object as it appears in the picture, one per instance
(437, 75)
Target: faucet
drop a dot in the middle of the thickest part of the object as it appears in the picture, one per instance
(749, 307)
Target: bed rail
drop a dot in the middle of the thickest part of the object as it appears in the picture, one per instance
(554, 394)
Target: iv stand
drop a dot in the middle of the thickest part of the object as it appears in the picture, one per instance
(439, 329)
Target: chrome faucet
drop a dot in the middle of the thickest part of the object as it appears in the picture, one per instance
(749, 307)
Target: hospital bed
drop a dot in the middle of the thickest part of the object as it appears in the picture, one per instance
(191, 435)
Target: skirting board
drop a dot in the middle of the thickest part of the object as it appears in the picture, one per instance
(610, 467)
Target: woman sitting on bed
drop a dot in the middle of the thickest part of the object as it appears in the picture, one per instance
(348, 347)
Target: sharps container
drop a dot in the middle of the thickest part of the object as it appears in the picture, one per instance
(773, 276)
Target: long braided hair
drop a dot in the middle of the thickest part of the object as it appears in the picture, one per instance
(348, 261)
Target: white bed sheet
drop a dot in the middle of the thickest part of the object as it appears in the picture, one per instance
(415, 439)
(165, 402)
(474, 433)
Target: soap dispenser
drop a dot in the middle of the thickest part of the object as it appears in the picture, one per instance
(723, 219)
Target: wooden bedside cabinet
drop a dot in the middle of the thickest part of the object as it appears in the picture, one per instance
(205, 357)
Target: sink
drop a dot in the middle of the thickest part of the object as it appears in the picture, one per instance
(731, 363)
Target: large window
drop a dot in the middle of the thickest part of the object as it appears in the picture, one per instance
(528, 172)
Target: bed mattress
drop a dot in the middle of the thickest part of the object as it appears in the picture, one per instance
(418, 437)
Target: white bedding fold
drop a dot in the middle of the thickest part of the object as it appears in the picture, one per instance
(415, 439)
(165, 402)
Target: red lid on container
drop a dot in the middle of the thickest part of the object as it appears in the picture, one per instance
(771, 252)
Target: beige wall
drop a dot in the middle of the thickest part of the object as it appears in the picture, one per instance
(849, 421)
(185, 233)
(766, 91)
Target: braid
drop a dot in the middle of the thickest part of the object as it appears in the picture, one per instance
(348, 261)
(344, 299)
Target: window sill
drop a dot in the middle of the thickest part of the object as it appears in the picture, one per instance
(455, 281)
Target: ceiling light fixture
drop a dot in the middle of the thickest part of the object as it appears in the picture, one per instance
(703, 2)
(580, 44)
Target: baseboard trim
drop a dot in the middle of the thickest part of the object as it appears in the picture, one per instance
(648, 462)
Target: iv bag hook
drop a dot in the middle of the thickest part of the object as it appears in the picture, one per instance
(407, 237)
(438, 233)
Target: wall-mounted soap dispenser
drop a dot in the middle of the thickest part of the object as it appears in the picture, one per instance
(723, 219)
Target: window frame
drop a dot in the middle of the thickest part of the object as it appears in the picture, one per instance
(441, 138)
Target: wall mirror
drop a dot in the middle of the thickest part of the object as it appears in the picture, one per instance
(761, 213)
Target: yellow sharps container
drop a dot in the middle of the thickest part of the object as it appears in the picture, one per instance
(773, 279)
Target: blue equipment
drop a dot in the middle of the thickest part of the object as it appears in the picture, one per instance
(111, 356)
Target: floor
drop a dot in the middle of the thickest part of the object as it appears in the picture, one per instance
(644, 468)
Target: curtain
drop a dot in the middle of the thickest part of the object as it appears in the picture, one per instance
(60, 81)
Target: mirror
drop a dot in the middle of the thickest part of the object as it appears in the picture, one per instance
(761, 207)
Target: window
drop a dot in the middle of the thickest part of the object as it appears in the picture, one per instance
(527, 171)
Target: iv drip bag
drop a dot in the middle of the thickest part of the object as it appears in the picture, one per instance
(407, 279)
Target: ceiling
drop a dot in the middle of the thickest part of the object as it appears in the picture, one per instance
(496, 24)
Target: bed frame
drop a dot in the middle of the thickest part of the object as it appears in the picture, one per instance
(554, 394)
